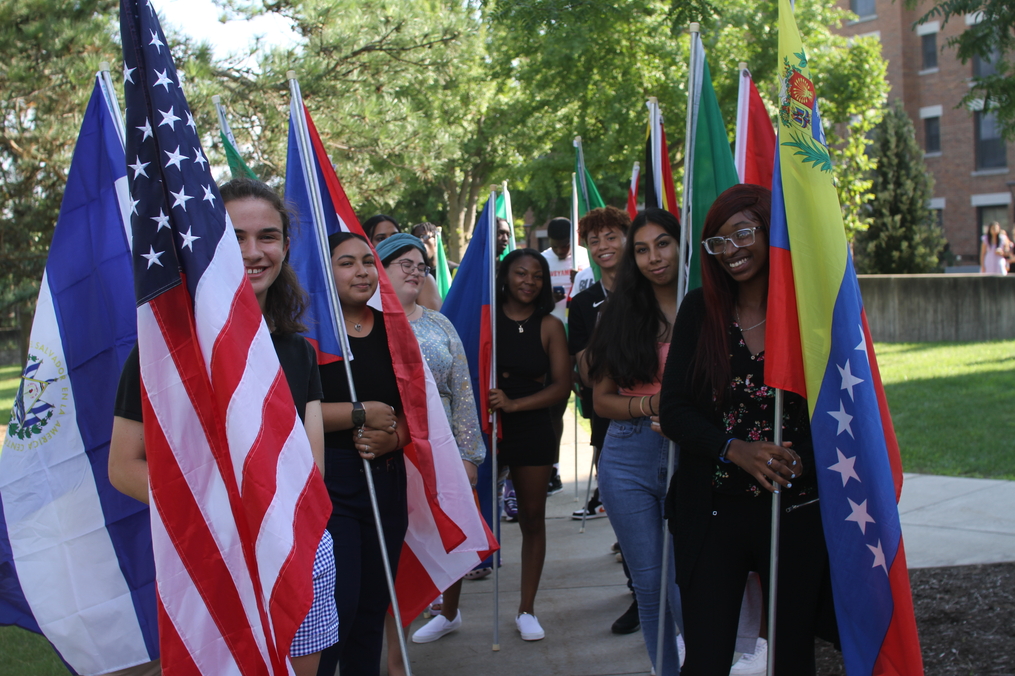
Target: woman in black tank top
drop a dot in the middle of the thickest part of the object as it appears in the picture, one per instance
(533, 374)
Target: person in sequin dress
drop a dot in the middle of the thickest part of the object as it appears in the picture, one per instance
(403, 257)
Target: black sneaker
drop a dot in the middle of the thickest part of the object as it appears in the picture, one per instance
(629, 622)
(595, 510)
(556, 485)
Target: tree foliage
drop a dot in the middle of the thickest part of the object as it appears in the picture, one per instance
(903, 237)
(990, 38)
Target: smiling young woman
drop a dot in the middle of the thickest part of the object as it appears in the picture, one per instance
(716, 405)
(625, 358)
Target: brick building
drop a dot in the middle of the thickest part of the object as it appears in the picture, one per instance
(963, 148)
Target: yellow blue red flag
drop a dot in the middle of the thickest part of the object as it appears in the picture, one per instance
(819, 345)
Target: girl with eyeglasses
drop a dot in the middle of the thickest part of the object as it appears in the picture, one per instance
(625, 357)
(716, 405)
(403, 258)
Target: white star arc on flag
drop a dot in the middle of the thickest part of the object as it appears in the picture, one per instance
(189, 239)
(169, 118)
(879, 556)
(146, 130)
(199, 158)
(162, 220)
(155, 41)
(138, 168)
(860, 515)
(174, 158)
(845, 468)
(209, 195)
(180, 198)
(127, 77)
(163, 80)
(848, 379)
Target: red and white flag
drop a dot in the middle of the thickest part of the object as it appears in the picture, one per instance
(754, 155)
(632, 191)
(238, 506)
(446, 535)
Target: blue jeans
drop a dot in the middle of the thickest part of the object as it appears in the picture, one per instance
(632, 485)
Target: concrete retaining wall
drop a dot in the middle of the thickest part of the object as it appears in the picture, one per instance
(939, 308)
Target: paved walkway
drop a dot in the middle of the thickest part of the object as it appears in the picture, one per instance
(946, 521)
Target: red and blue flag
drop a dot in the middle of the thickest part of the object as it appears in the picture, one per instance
(819, 345)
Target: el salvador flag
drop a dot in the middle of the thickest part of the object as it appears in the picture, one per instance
(76, 554)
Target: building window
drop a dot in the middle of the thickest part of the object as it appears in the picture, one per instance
(929, 44)
(932, 135)
(985, 67)
(991, 152)
(863, 8)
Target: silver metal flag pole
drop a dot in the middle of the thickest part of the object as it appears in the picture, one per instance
(338, 325)
(773, 556)
(224, 127)
(491, 224)
(111, 101)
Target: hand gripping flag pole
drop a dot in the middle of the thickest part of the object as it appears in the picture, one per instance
(338, 326)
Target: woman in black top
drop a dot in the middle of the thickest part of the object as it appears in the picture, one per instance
(533, 374)
(716, 406)
(374, 429)
(261, 222)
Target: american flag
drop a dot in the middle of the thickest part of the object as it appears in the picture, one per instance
(238, 507)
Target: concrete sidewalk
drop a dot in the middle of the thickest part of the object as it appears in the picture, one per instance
(946, 521)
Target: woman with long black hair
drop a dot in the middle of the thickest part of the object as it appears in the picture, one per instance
(372, 428)
(533, 374)
(625, 358)
(716, 405)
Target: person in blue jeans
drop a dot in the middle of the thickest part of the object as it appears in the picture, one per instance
(626, 357)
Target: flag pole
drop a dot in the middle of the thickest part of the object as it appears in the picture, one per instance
(693, 90)
(495, 415)
(224, 127)
(110, 94)
(509, 216)
(338, 325)
(743, 99)
(773, 556)
(574, 269)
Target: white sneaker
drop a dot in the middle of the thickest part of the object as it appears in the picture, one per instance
(681, 648)
(528, 627)
(752, 664)
(436, 628)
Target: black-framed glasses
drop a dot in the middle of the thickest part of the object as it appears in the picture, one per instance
(408, 267)
(739, 239)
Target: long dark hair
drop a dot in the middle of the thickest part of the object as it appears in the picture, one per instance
(623, 344)
(711, 374)
(544, 301)
(371, 224)
(286, 300)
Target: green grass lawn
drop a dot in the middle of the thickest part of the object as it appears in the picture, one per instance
(10, 379)
(953, 406)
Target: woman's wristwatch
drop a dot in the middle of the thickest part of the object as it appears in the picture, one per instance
(725, 450)
(359, 414)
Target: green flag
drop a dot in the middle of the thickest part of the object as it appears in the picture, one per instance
(587, 197)
(237, 167)
(442, 272)
(503, 210)
(712, 170)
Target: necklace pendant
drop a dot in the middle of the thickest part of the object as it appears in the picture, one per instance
(358, 327)
(521, 329)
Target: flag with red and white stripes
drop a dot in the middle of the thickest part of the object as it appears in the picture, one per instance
(238, 507)
(754, 152)
(632, 191)
(446, 535)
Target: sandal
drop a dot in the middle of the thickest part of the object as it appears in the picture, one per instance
(478, 573)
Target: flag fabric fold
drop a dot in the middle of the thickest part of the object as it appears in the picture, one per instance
(659, 189)
(470, 306)
(238, 505)
(586, 198)
(75, 554)
(711, 162)
(632, 191)
(822, 349)
(754, 152)
(443, 271)
(237, 167)
(446, 535)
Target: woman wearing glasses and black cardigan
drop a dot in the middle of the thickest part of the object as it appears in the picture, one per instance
(716, 406)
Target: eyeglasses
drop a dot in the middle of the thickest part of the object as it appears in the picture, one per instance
(739, 239)
(408, 267)
(426, 238)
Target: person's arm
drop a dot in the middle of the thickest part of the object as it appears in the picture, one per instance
(609, 404)
(683, 419)
(983, 253)
(337, 415)
(128, 465)
(555, 344)
(429, 296)
(464, 421)
(313, 422)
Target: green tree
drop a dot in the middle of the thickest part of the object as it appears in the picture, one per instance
(991, 39)
(902, 237)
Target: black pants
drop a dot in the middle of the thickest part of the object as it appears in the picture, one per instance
(361, 591)
(738, 542)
